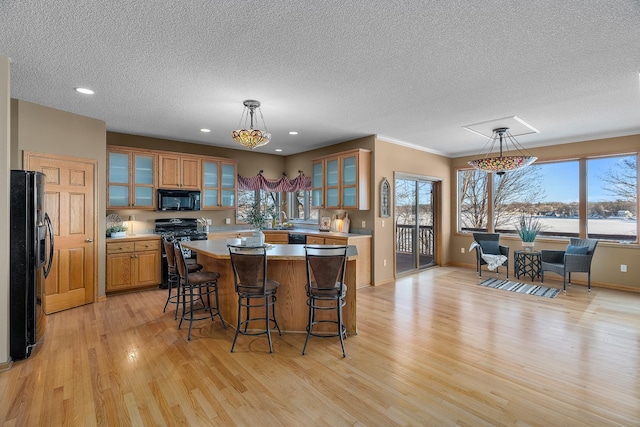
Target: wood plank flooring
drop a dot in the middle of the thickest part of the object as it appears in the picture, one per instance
(432, 349)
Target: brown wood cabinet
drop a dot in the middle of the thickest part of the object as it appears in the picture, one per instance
(218, 184)
(176, 171)
(131, 179)
(133, 263)
(346, 180)
(273, 236)
(134, 175)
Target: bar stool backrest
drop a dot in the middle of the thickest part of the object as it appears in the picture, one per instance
(171, 256)
(326, 265)
(249, 268)
(181, 265)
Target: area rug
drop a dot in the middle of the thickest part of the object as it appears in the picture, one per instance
(522, 288)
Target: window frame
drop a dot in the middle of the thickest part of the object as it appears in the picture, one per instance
(582, 200)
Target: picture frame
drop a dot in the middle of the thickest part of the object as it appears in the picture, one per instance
(325, 223)
(385, 198)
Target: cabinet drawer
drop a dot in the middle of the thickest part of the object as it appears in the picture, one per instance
(277, 237)
(315, 240)
(119, 247)
(147, 245)
(335, 241)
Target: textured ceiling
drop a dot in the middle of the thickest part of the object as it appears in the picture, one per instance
(412, 72)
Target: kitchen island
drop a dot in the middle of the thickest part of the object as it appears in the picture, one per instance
(286, 264)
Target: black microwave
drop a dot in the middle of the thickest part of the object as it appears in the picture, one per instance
(178, 200)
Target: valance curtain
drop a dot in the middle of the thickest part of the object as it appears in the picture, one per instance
(259, 182)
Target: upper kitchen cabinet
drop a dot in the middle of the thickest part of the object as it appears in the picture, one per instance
(131, 179)
(218, 184)
(181, 172)
(346, 180)
(317, 182)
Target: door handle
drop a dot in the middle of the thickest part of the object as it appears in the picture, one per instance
(50, 228)
(88, 240)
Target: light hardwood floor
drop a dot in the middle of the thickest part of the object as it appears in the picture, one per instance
(432, 349)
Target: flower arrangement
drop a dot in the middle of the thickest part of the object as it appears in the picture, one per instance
(257, 217)
(116, 229)
(528, 228)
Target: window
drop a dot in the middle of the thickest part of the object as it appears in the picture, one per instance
(551, 193)
(299, 207)
(612, 198)
(473, 197)
(246, 198)
(547, 191)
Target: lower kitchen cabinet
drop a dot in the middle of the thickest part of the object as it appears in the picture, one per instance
(133, 263)
(281, 237)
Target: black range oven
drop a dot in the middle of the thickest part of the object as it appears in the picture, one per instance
(181, 229)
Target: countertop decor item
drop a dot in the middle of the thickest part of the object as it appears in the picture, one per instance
(132, 218)
(117, 231)
(528, 227)
(251, 138)
(258, 217)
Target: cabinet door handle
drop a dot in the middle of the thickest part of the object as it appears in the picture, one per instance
(88, 240)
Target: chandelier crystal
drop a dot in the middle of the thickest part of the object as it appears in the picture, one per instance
(502, 164)
(251, 138)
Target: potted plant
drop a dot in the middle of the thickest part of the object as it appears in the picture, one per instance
(528, 228)
(257, 217)
(117, 231)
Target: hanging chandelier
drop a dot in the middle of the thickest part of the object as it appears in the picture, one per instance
(503, 164)
(251, 138)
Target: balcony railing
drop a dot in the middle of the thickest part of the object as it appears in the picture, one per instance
(404, 239)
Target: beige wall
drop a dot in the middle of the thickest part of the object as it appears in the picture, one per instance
(390, 159)
(605, 270)
(5, 120)
(47, 130)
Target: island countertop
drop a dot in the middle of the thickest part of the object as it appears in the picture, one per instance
(218, 249)
(286, 264)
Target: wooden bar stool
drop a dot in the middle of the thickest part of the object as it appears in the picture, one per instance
(326, 290)
(172, 274)
(194, 287)
(254, 291)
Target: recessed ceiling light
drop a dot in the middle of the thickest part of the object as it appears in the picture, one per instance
(84, 90)
(293, 132)
(278, 149)
(205, 130)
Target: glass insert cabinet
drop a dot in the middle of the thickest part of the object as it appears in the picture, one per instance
(133, 176)
(131, 180)
(219, 184)
(342, 181)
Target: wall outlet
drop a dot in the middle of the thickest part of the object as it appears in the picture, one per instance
(384, 262)
(364, 224)
(461, 250)
(208, 221)
(382, 223)
(623, 268)
(227, 221)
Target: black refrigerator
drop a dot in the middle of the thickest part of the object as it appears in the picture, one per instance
(31, 249)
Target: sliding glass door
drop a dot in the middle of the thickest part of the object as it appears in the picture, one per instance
(414, 221)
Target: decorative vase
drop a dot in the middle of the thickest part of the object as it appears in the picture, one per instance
(528, 246)
(258, 235)
(118, 234)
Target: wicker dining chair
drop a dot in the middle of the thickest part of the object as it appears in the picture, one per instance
(489, 244)
(575, 259)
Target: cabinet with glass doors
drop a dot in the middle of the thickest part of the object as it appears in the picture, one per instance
(218, 184)
(131, 179)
